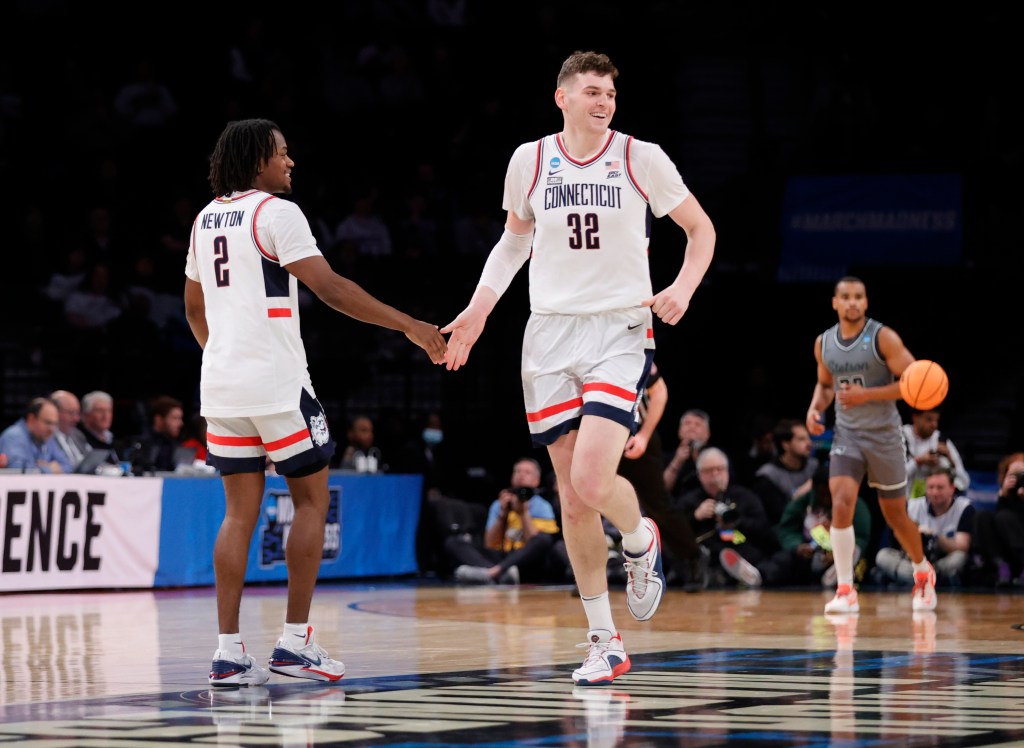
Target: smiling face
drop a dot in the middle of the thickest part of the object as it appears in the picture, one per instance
(275, 174)
(587, 101)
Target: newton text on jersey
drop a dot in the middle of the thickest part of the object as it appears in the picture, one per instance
(217, 219)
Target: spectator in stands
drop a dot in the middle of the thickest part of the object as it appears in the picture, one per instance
(929, 451)
(365, 228)
(762, 449)
(789, 474)
(946, 523)
(999, 534)
(196, 436)
(97, 418)
(28, 443)
(156, 450)
(360, 454)
(518, 538)
(730, 520)
(69, 437)
(803, 531)
(643, 465)
(694, 435)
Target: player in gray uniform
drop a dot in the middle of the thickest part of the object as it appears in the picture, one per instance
(859, 362)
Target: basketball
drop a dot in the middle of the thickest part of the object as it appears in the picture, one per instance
(923, 385)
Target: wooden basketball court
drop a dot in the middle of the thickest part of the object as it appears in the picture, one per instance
(431, 664)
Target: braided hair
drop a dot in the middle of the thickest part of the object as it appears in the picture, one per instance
(241, 148)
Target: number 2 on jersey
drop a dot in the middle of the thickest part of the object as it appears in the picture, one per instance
(220, 264)
(583, 231)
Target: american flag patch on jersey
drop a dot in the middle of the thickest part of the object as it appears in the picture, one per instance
(612, 165)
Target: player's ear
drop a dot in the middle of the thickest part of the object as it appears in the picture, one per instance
(560, 98)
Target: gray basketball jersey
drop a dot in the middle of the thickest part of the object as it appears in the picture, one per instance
(860, 362)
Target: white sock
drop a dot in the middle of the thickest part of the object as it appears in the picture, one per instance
(637, 542)
(923, 566)
(599, 612)
(296, 633)
(843, 543)
(231, 643)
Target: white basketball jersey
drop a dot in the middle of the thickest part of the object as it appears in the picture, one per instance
(592, 222)
(254, 362)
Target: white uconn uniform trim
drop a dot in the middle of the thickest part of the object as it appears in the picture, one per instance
(589, 342)
(254, 362)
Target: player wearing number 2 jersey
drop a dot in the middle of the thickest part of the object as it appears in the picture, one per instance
(858, 362)
(247, 252)
(580, 199)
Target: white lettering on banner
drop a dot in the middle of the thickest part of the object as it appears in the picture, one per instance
(78, 531)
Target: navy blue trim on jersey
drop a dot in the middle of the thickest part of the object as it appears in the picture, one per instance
(275, 279)
(641, 384)
(310, 407)
(232, 465)
(626, 417)
(629, 173)
(538, 168)
(549, 437)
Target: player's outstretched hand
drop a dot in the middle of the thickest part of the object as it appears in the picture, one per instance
(465, 330)
(670, 305)
(427, 337)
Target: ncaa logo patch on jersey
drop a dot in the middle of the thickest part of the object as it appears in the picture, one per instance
(318, 430)
(555, 162)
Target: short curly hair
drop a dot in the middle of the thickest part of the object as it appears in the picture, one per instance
(585, 62)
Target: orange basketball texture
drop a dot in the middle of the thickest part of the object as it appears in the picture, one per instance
(924, 384)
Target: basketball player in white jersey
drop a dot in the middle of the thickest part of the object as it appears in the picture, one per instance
(580, 199)
(247, 250)
(859, 363)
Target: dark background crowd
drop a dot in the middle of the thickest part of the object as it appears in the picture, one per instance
(401, 117)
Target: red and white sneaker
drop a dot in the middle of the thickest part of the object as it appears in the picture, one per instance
(606, 659)
(845, 601)
(924, 590)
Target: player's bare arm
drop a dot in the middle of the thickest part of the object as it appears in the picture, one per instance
(824, 392)
(349, 298)
(671, 304)
(897, 358)
(195, 311)
(503, 262)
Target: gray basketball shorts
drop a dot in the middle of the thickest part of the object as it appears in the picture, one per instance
(882, 453)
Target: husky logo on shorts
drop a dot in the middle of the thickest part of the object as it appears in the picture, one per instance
(318, 431)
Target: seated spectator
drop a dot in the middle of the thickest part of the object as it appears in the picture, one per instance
(681, 470)
(761, 450)
(196, 436)
(946, 523)
(28, 443)
(999, 534)
(730, 520)
(803, 531)
(789, 473)
(156, 449)
(928, 451)
(360, 454)
(97, 418)
(70, 439)
(518, 538)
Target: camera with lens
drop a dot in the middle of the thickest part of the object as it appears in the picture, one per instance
(523, 494)
(1020, 482)
(726, 511)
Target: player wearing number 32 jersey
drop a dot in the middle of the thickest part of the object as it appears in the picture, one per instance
(578, 205)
